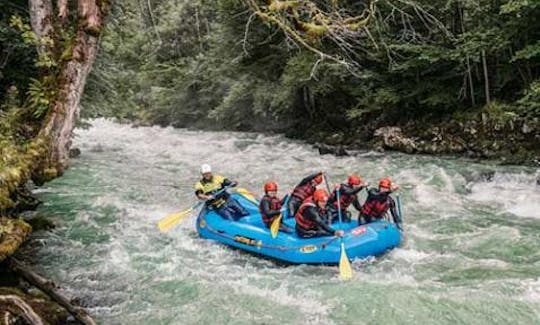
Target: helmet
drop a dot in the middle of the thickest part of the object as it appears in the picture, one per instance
(270, 186)
(320, 195)
(385, 183)
(354, 180)
(318, 179)
(205, 168)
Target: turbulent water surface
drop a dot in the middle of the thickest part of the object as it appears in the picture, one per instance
(472, 253)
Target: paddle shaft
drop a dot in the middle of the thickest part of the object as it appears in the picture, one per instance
(326, 182)
(399, 208)
(338, 205)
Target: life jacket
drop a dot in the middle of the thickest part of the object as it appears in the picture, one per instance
(275, 204)
(376, 204)
(211, 186)
(303, 221)
(304, 191)
(345, 200)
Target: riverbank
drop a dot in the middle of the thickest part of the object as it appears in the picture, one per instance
(18, 301)
(485, 135)
(25, 296)
(21, 302)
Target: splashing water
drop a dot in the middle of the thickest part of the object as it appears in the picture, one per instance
(472, 253)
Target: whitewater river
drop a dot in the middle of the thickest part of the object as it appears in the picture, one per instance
(472, 254)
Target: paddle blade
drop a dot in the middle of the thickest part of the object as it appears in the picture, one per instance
(170, 221)
(274, 227)
(247, 194)
(345, 269)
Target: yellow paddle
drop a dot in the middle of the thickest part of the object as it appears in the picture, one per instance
(274, 227)
(247, 194)
(170, 221)
(345, 270)
(173, 219)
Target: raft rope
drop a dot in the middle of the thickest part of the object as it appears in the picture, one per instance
(262, 245)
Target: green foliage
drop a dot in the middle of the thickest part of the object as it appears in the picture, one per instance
(39, 97)
(16, 54)
(210, 64)
(529, 104)
(531, 51)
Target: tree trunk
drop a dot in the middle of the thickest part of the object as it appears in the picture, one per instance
(41, 19)
(62, 11)
(16, 306)
(51, 290)
(64, 111)
(471, 86)
(486, 78)
(461, 13)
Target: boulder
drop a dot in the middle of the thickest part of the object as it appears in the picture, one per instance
(325, 149)
(74, 152)
(393, 138)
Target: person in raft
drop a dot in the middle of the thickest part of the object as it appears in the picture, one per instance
(211, 189)
(303, 190)
(348, 194)
(378, 203)
(270, 206)
(311, 217)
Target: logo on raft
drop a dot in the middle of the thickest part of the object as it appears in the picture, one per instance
(248, 241)
(359, 230)
(202, 223)
(308, 249)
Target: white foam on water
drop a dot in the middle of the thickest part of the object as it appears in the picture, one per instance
(532, 291)
(130, 171)
(307, 301)
(513, 193)
(410, 255)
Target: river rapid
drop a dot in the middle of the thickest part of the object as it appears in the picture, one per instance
(471, 255)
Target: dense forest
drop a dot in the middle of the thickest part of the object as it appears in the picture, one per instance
(455, 76)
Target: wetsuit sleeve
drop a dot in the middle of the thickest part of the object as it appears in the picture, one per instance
(321, 223)
(308, 179)
(393, 211)
(348, 190)
(265, 209)
(356, 204)
(198, 188)
(370, 193)
(228, 182)
(332, 197)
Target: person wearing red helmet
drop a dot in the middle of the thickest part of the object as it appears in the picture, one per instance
(303, 190)
(311, 217)
(270, 206)
(379, 202)
(348, 194)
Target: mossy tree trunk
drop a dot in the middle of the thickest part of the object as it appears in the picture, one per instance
(77, 56)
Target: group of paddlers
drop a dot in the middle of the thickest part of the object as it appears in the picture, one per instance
(314, 209)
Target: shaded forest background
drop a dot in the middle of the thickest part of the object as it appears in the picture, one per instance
(467, 81)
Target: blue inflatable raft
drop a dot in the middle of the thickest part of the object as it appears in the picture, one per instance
(250, 234)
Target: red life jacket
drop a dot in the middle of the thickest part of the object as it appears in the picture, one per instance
(303, 221)
(376, 204)
(344, 199)
(304, 191)
(275, 204)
